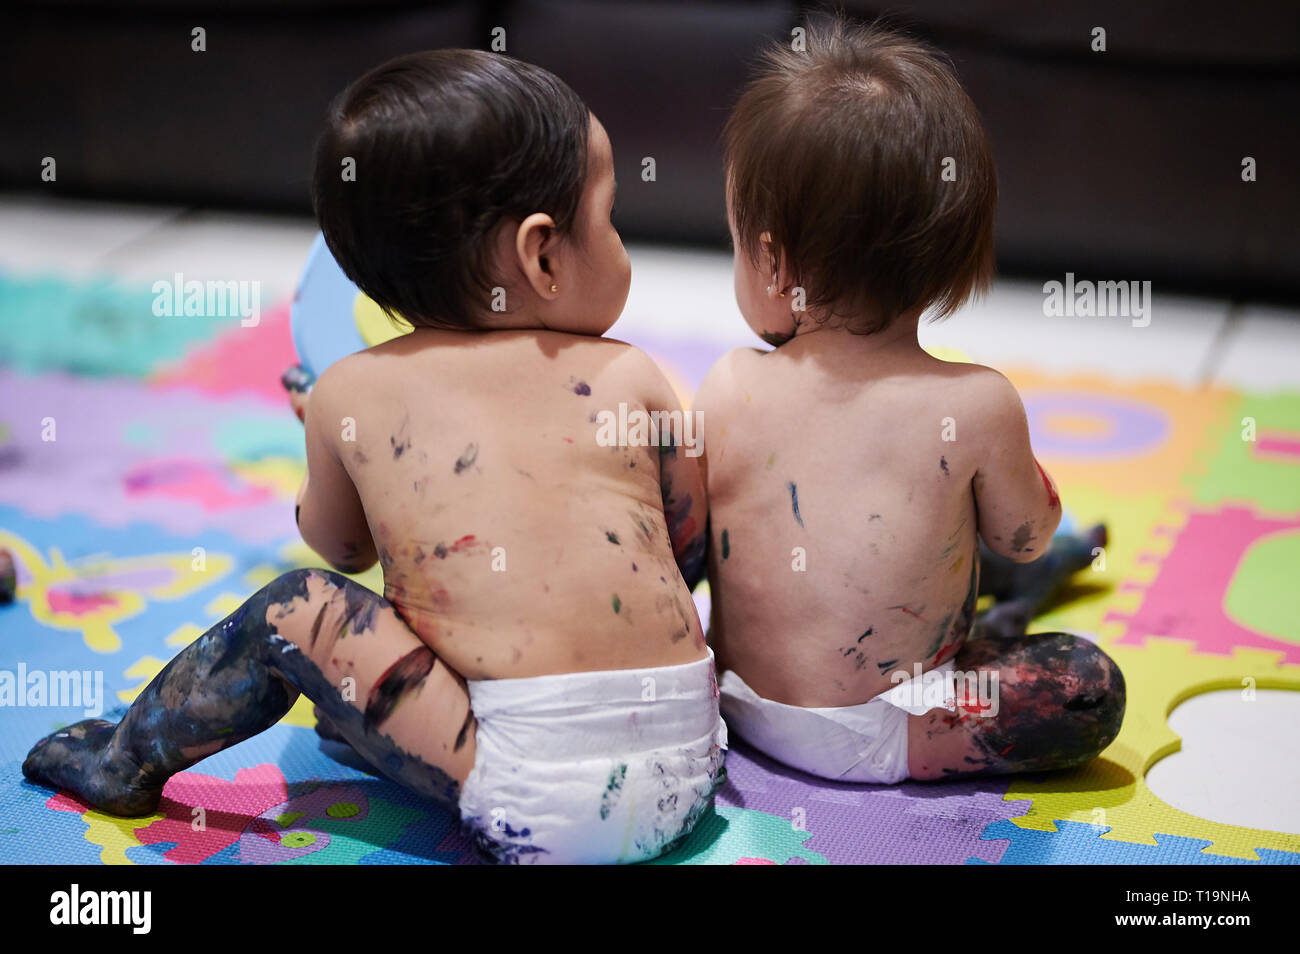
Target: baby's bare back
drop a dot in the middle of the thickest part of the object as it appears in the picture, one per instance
(843, 524)
(511, 541)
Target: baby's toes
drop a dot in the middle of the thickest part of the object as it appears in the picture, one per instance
(69, 754)
(75, 758)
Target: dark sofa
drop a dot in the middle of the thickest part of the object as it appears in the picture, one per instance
(1123, 164)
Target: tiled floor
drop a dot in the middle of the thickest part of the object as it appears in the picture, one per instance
(1192, 341)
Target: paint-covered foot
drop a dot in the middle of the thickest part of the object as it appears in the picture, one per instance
(1005, 620)
(1022, 590)
(78, 759)
(8, 577)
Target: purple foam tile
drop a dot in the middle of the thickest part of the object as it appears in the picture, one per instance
(908, 823)
(124, 452)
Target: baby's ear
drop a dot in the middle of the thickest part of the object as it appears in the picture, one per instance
(778, 272)
(534, 254)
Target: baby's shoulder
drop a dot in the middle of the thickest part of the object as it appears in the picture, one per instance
(729, 376)
(985, 395)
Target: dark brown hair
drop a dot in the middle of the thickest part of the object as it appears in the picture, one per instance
(446, 144)
(838, 152)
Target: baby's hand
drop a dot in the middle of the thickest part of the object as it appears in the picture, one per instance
(298, 381)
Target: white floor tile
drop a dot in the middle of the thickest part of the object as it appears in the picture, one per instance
(1261, 351)
(71, 237)
(206, 246)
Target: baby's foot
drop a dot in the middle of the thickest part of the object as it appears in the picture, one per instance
(1005, 620)
(77, 759)
(1074, 552)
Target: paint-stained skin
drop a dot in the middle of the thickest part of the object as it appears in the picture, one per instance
(776, 339)
(1053, 500)
(1060, 702)
(1023, 536)
(236, 680)
(690, 542)
(401, 441)
(403, 678)
(856, 653)
(467, 459)
(794, 501)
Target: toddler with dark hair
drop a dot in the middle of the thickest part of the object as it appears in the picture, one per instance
(850, 474)
(536, 660)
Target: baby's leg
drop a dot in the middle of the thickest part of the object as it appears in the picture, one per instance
(310, 631)
(1058, 701)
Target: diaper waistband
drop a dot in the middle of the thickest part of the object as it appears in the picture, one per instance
(598, 714)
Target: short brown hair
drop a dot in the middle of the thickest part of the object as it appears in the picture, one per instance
(838, 152)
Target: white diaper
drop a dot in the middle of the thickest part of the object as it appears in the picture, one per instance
(593, 767)
(862, 743)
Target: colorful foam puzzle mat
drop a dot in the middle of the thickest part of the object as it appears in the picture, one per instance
(164, 497)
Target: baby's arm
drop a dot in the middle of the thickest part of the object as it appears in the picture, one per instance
(329, 513)
(681, 478)
(1016, 501)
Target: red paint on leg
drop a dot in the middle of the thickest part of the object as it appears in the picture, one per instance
(1052, 498)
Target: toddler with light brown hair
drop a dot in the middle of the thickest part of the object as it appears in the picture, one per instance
(851, 475)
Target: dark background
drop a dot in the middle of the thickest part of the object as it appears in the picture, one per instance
(1117, 165)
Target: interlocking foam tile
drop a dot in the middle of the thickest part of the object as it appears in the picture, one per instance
(95, 327)
(1133, 438)
(1080, 844)
(1227, 581)
(105, 519)
(911, 823)
(245, 361)
(1263, 470)
(114, 587)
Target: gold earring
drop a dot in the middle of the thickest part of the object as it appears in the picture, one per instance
(555, 287)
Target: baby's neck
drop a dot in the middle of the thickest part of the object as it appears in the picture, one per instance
(900, 335)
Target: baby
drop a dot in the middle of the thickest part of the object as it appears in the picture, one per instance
(850, 474)
(536, 660)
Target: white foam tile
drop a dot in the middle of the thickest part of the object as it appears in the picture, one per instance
(222, 246)
(1240, 760)
(1261, 351)
(71, 237)
(1009, 329)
